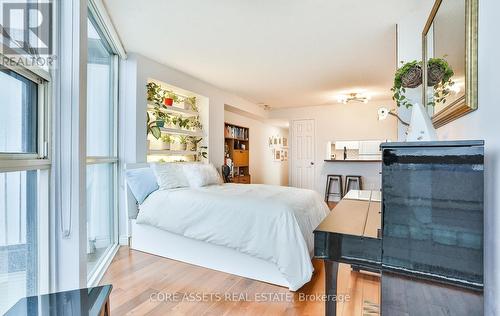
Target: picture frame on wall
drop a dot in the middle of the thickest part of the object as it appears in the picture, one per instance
(284, 142)
(277, 155)
(284, 154)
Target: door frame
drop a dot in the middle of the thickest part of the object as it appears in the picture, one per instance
(292, 151)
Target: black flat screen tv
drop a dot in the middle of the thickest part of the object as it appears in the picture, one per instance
(432, 210)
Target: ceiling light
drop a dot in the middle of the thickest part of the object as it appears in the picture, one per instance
(353, 97)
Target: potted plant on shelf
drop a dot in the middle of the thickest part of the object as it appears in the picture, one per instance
(182, 123)
(155, 93)
(170, 98)
(195, 124)
(183, 140)
(167, 140)
(193, 143)
(161, 117)
(189, 103)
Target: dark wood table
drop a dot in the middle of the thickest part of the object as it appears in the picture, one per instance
(350, 234)
(88, 301)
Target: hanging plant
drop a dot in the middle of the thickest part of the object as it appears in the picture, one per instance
(407, 76)
(439, 74)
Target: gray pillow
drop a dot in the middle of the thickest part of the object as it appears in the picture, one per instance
(142, 182)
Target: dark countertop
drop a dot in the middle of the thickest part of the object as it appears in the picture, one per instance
(88, 301)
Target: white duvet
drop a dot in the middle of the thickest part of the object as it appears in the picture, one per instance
(269, 222)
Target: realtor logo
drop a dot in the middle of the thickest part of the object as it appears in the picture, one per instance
(26, 28)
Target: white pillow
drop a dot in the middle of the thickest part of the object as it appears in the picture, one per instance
(200, 175)
(170, 175)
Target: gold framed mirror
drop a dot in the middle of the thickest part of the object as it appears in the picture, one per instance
(450, 34)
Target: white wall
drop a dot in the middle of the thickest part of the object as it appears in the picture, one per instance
(409, 48)
(262, 167)
(344, 122)
(134, 74)
(483, 124)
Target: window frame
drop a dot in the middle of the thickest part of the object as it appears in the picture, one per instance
(41, 162)
(28, 161)
(94, 276)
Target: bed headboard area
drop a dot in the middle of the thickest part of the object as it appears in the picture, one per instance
(132, 204)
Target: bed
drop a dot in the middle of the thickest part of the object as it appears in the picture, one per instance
(255, 231)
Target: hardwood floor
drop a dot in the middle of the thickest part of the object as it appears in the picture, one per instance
(142, 283)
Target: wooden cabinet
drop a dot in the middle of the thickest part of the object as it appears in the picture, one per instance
(242, 179)
(240, 158)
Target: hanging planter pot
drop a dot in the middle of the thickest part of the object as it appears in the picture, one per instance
(435, 74)
(412, 78)
(409, 75)
(168, 101)
(438, 71)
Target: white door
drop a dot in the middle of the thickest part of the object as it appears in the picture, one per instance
(302, 150)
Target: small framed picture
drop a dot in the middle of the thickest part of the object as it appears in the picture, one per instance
(277, 155)
(284, 154)
(275, 141)
(270, 141)
(285, 142)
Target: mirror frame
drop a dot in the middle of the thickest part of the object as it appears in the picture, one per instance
(468, 102)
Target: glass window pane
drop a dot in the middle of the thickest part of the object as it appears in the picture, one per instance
(18, 113)
(18, 237)
(100, 105)
(100, 212)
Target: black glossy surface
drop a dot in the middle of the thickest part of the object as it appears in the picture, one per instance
(359, 250)
(77, 302)
(433, 210)
(402, 295)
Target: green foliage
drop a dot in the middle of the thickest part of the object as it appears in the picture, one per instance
(203, 152)
(152, 127)
(155, 93)
(442, 88)
(183, 139)
(195, 123)
(167, 138)
(171, 95)
(181, 122)
(397, 89)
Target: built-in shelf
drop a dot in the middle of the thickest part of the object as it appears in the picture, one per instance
(173, 152)
(240, 139)
(174, 109)
(181, 131)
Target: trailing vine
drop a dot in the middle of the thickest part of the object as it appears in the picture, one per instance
(409, 75)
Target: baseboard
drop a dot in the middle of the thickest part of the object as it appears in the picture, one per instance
(123, 240)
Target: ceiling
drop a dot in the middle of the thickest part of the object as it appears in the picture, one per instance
(283, 53)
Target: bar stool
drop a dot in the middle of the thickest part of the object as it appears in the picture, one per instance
(352, 183)
(330, 179)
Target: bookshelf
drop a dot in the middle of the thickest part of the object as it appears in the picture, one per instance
(237, 152)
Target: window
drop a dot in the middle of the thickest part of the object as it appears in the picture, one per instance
(101, 149)
(24, 181)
